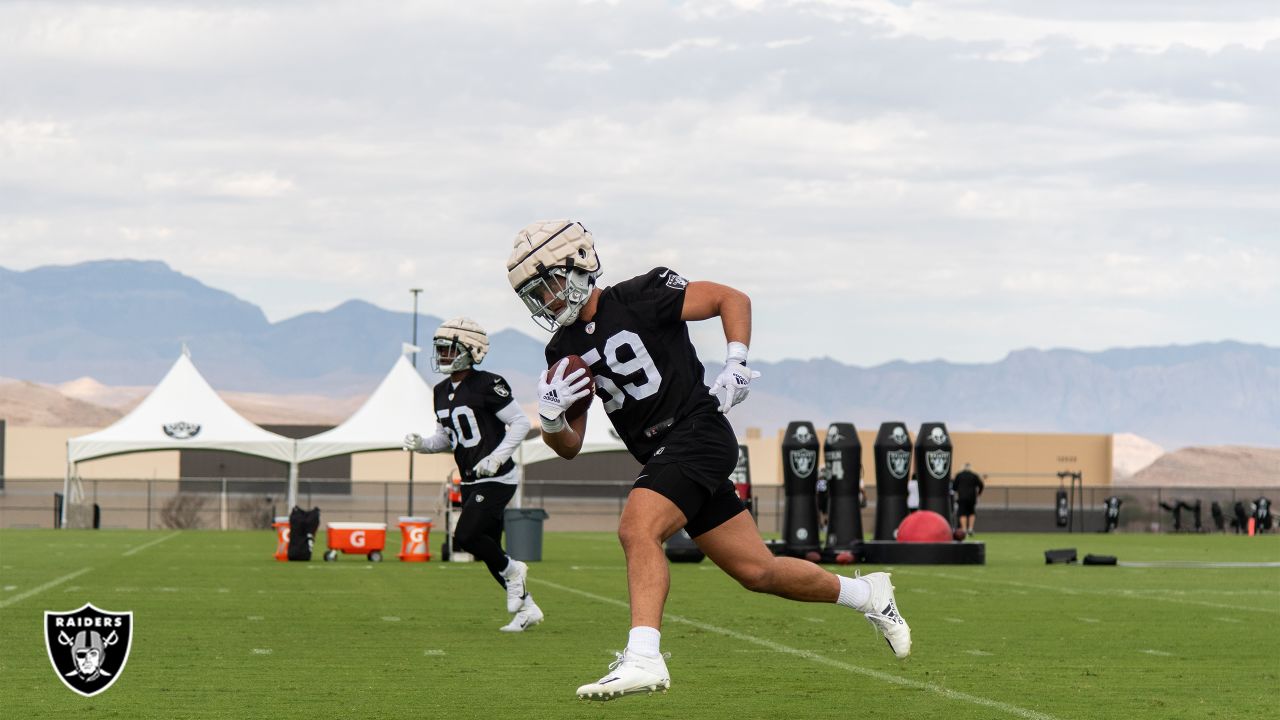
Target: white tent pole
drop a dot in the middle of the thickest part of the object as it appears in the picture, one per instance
(293, 485)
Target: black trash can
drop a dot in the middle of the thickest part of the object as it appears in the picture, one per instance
(524, 533)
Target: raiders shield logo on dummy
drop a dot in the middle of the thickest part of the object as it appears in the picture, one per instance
(88, 647)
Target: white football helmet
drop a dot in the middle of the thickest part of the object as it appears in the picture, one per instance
(457, 345)
(553, 266)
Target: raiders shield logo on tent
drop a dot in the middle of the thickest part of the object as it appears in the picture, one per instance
(88, 647)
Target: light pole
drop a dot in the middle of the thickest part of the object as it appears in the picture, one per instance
(413, 359)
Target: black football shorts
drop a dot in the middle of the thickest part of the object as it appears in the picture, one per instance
(691, 469)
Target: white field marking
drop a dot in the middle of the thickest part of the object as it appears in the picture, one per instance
(1089, 620)
(127, 589)
(254, 617)
(598, 567)
(953, 620)
(41, 588)
(967, 591)
(1131, 594)
(157, 541)
(433, 653)
(167, 589)
(224, 590)
(262, 651)
(10, 588)
(815, 620)
(979, 653)
(822, 660)
(1158, 653)
(390, 618)
(1230, 620)
(1194, 564)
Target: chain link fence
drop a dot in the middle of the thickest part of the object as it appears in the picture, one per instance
(241, 504)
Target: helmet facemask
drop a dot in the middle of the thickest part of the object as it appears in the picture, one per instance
(450, 356)
(556, 297)
(459, 344)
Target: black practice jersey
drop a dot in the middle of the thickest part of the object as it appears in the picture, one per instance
(469, 413)
(646, 370)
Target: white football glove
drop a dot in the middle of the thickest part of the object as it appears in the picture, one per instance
(488, 466)
(413, 442)
(557, 392)
(733, 384)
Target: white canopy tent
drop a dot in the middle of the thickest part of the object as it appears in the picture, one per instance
(182, 413)
(402, 403)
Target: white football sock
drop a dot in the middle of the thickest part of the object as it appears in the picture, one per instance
(644, 641)
(511, 564)
(854, 593)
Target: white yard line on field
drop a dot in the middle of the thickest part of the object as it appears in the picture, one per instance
(1130, 594)
(36, 590)
(822, 660)
(157, 541)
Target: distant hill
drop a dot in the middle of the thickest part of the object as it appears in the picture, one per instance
(1212, 393)
(122, 323)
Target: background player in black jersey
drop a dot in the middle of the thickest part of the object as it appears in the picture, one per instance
(635, 338)
(483, 425)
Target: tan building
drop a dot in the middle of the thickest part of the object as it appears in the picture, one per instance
(1012, 459)
(1009, 459)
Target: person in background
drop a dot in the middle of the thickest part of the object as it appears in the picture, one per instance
(968, 486)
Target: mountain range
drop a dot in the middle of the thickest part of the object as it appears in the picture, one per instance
(123, 322)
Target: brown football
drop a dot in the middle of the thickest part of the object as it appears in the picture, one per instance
(579, 408)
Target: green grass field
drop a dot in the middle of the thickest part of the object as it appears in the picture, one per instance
(223, 630)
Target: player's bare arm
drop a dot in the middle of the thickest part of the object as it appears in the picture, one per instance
(704, 300)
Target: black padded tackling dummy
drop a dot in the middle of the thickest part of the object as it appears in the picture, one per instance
(1054, 557)
(800, 481)
(302, 532)
(681, 548)
(933, 466)
(1112, 514)
(892, 455)
(842, 462)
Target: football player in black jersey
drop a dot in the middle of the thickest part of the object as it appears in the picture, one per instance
(635, 338)
(483, 425)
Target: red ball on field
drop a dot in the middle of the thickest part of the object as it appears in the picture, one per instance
(813, 557)
(959, 534)
(579, 408)
(924, 526)
(844, 558)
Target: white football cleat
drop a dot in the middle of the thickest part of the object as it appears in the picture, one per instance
(884, 615)
(630, 674)
(515, 585)
(530, 614)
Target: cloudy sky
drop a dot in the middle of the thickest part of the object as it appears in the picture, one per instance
(887, 180)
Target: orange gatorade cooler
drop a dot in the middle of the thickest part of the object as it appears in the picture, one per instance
(281, 526)
(357, 538)
(414, 546)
